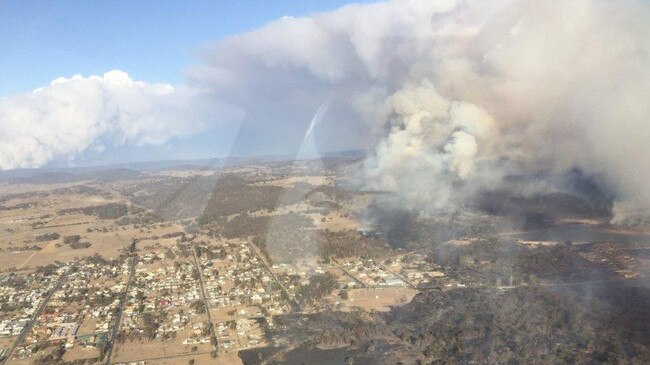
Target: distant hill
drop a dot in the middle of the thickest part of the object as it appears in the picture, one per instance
(63, 177)
(54, 177)
(133, 170)
(112, 174)
(38, 177)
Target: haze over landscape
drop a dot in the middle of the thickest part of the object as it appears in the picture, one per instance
(427, 182)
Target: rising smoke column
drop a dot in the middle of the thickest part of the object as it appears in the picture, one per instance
(536, 86)
(458, 94)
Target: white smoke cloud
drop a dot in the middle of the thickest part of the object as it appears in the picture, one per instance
(463, 92)
(73, 115)
(450, 95)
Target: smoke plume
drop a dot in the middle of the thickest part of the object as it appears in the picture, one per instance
(460, 94)
(452, 97)
(74, 115)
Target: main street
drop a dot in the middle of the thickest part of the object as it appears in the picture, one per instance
(108, 353)
(206, 302)
(294, 303)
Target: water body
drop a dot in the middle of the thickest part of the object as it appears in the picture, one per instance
(578, 233)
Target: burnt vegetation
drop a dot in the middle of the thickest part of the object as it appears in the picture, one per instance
(584, 325)
(578, 195)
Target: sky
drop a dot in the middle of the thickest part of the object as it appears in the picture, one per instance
(152, 40)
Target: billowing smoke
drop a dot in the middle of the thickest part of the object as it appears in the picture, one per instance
(432, 143)
(460, 94)
(452, 97)
(74, 115)
(536, 86)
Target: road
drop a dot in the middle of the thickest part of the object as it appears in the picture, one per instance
(37, 314)
(62, 225)
(147, 360)
(631, 282)
(118, 320)
(346, 272)
(26, 260)
(206, 303)
(294, 303)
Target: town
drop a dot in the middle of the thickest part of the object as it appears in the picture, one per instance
(199, 296)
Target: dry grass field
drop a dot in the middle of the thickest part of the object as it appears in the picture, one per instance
(20, 229)
(79, 353)
(375, 299)
(140, 350)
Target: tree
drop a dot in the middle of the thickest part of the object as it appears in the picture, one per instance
(320, 285)
(198, 306)
(343, 294)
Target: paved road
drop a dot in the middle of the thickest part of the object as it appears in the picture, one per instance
(346, 272)
(206, 303)
(621, 281)
(62, 225)
(37, 314)
(631, 282)
(120, 311)
(148, 359)
(294, 303)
